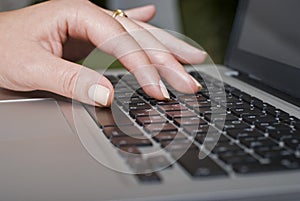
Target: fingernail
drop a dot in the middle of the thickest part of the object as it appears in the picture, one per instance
(164, 90)
(99, 94)
(197, 83)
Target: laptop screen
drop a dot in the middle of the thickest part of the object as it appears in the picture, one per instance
(265, 43)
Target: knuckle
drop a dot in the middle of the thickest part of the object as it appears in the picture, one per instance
(68, 82)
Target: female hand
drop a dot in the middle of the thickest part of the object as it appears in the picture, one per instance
(32, 41)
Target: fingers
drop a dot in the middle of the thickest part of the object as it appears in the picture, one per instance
(160, 56)
(73, 81)
(110, 36)
(144, 14)
(184, 52)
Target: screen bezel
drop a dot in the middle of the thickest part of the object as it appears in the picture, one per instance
(278, 75)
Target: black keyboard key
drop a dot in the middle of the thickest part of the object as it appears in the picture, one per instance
(207, 110)
(111, 132)
(152, 177)
(292, 143)
(232, 125)
(226, 147)
(167, 102)
(256, 120)
(275, 153)
(130, 141)
(182, 145)
(151, 120)
(198, 167)
(168, 108)
(192, 98)
(201, 129)
(107, 117)
(254, 142)
(143, 113)
(241, 158)
(198, 104)
(129, 152)
(176, 114)
(169, 136)
(256, 168)
(156, 128)
(189, 121)
(273, 127)
(220, 117)
(240, 112)
(280, 136)
(137, 106)
(244, 133)
(211, 138)
(159, 162)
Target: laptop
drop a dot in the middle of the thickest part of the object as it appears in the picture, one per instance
(237, 139)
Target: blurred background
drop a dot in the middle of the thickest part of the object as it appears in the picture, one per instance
(208, 22)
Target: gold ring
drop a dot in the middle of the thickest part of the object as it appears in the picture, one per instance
(118, 12)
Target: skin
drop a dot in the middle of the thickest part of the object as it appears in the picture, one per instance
(35, 43)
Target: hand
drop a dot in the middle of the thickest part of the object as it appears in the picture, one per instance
(32, 41)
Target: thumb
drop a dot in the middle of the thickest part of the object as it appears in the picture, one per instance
(75, 81)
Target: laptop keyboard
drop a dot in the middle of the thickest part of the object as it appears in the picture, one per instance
(247, 134)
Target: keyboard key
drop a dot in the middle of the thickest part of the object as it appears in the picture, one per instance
(240, 112)
(143, 113)
(256, 120)
(211, 138)
(275, 153)
(254, 142)
(182, 145)
(107, 117)
(226, 147)
(159, 162)
(156, 128)
(152, 177)
(176, 114)
(196, 104)
(198, 167)
(130, 141)
(232, 125)
(241, 158)
(129, 152)
(111, 132)
(168, 136)
(151, 120)
(280, 136)
(273, 127)
(244, 133)
(189, 121)
(220, 117)
(201, 129)
(293, 143)
(137, 106)
(192, 98)
(206, 110)
(256, 167)
(168, 108)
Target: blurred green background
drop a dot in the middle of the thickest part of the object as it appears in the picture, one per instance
(209, 23)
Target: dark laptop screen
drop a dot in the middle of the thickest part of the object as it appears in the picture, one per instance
(266, 43)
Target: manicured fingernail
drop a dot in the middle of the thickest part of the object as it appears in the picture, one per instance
(197, 83)
(164, 90)
(99, 94)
